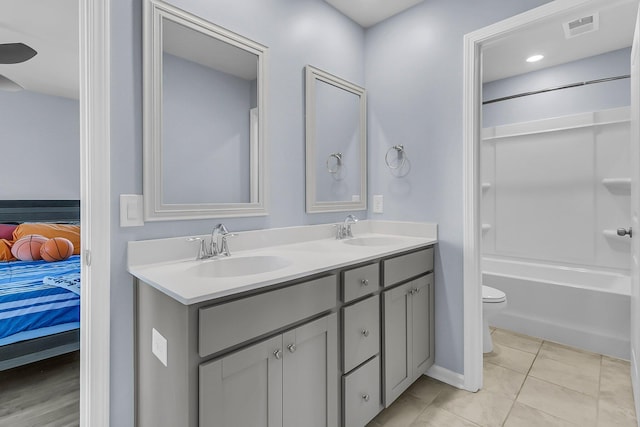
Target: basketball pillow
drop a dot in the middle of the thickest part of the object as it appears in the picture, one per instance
(56, 249)
(27, 248)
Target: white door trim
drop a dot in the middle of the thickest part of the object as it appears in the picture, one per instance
(95, 211)
(472, 126)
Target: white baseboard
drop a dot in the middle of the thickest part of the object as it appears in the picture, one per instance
(446, 376)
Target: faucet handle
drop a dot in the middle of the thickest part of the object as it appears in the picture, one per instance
(224, 250)
(202, 251)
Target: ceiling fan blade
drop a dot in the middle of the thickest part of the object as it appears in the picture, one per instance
(14, 53)
(9, 85)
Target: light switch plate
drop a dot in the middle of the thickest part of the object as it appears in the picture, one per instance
(159, 346)
(378, 204)
(131, 213)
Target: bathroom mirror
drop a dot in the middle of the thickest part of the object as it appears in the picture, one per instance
(336, 143)
(204, 118)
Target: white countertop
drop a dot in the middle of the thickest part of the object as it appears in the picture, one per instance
(169, 264)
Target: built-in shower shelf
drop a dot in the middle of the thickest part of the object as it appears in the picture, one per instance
(617, 183)
(486, 227)
(486, 186)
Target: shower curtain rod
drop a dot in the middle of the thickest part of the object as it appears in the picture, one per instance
(551, 89)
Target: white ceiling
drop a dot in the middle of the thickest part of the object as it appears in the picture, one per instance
(370, 12)
(506, 57)
(53, 32)
(51, 27)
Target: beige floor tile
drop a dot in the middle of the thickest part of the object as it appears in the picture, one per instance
(438, 417)
(526, 416)
(517, 341)
(580, 376)
(427, 389)
(502, 380)
(510, 358)
(401, 413)
(615, 385)
(570, 355)
(561, 402)
(488, 409)
(612, 415)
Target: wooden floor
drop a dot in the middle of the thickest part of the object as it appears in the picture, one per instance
(44, 393)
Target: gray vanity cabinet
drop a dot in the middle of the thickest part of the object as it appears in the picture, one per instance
(288, 380)
(408, 335)
(244, 388)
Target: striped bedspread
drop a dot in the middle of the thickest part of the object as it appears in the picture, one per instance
(26, 303)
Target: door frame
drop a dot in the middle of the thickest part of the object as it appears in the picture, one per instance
(472, 191)
(95, 205)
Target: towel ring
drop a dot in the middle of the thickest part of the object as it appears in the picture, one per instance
(338, 165)
(400, 153)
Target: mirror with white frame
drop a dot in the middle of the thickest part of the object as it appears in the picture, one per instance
(204, 118)
(336, 143)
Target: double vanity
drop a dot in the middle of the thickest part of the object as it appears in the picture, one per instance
(294, 328)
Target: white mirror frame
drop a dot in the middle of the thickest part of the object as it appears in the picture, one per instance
(314, 206)
(154, 207)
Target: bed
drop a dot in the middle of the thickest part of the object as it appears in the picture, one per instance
(38, 318)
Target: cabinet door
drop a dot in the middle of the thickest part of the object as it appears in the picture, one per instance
(397, 342)
(244, 388)
(310, 373)
(421, 324)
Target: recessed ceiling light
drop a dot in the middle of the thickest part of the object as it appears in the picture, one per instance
(535, 58)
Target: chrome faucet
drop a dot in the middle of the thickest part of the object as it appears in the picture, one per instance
(220, 233)
(344, 229)
(218, 244)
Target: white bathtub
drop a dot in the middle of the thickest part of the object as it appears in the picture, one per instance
(584, 308)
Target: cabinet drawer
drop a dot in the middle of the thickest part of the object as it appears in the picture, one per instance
(406, 266)
(361, 332)
(360, 281)
(362, 394)
(225, 325)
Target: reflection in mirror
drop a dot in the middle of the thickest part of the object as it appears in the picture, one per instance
(336, 143)
(204, 145)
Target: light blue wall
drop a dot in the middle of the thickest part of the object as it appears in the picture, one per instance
(205, 134)
(40, 146)
(414, 78)
(562, 102)
(297, 33)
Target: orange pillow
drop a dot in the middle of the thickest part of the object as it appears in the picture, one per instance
(68, 231)
(5, 250)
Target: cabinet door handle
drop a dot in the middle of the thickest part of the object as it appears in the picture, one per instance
(278, 354)
(292, 348)
(365, 332)
(365, 282)
(365, 397)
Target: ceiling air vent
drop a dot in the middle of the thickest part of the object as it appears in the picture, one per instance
(580, 26)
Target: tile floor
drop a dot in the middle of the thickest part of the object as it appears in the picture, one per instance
(528, 382)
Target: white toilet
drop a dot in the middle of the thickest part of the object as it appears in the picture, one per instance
(493, 300)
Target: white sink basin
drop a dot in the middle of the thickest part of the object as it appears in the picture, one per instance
(373, 241)
(239, 266)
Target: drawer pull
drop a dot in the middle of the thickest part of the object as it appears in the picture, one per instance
(365, 397)
(365, 282)
(365, 332)
(278, 354)
(292, 348)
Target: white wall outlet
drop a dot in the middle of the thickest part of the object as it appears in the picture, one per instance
(378, 204)
(159, 346)
(131, 210)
